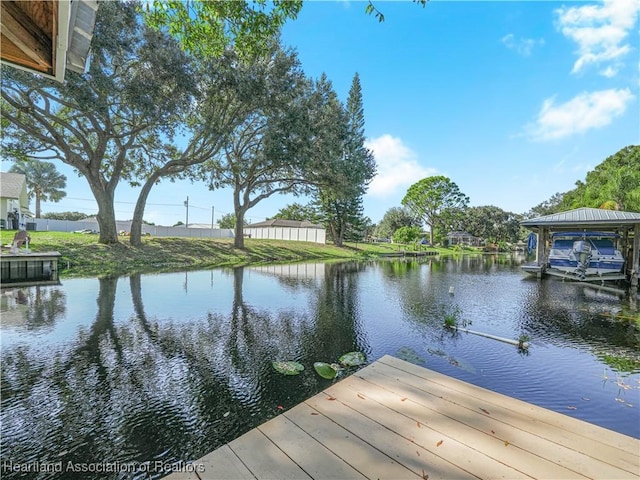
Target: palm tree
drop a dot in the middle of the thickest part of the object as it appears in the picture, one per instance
(44, 182)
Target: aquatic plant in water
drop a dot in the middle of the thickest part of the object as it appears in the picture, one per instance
(453, 317)
(408, 354)
(325, 370)
(288, 368)
(523, 341)
(352, 359)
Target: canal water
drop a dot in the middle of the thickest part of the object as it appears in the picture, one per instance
(134, 374)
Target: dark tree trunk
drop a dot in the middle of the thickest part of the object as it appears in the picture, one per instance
(337, 233)
(106, 217)
(238, 240)
(135, 237)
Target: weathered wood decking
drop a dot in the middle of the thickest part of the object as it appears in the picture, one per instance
(396, 420)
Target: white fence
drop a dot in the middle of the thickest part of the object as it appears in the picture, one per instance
(46, 224)
(316, 235)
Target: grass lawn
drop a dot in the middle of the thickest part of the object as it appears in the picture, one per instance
(82, 255)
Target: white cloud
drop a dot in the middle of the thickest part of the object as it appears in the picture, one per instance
(581, 113)
(398, 166)
(523, 46)
(600, 32)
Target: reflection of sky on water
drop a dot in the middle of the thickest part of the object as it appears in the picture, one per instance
(80, 312)
(172, 354)
(176, 296)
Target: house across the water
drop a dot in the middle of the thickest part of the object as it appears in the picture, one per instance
(464, 238)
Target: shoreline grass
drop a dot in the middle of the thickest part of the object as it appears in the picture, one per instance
(83, 256)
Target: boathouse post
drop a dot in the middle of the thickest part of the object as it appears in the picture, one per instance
(542, 239)
(635, 260)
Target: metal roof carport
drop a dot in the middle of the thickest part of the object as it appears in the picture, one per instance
(590, 219)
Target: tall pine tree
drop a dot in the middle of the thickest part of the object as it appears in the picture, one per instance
(341, 203)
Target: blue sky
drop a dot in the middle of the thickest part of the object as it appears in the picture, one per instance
(514, 101)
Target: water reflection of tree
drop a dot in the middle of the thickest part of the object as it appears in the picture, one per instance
(147, 388)
(46, 306)
(562, 313)
(337, 328)
(422, 296)
(57, 394)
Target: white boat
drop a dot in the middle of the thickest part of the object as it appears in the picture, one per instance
(585, 254)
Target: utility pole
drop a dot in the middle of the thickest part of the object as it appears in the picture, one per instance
(212, 212)
(186, 204)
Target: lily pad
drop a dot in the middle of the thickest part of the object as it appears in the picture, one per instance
(288, 368)
(408, 354)
(352, 359)
(325, 370)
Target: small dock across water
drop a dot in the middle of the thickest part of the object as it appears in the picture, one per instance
(21, 268)
(395, 420)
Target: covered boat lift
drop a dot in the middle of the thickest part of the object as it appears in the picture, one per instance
(626, 224)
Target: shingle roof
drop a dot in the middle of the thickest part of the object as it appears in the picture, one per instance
(11, 184)
(277, 222)
(584, 216)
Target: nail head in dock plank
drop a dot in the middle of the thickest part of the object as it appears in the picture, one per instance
(393, 419)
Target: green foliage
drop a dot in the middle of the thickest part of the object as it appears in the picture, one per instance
(622, 364)
(393, 219)
(267, 151)
(288, 368)
(228, 220)
(613, 183)
(523, 341)
(44, 182)
(548, 207)
(296, 211)
(331, 370)
(453, 317)
(207, 28)
(73, 216)
(370, 9)
(352, 165)
(407, 235)
(325, 370)
(352, 359)
(105, 122)
(434, 200)
(450, 321)
(492, 224)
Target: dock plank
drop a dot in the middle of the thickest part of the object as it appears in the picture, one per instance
(314, 458)
(264, 459)
(393, 419)
(401, 449)
(565, 441)
(372, 463)
(447, 416)
(588, 431)
(222, 464)
(482, 454)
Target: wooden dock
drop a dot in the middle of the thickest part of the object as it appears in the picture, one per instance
(21, 268)
(395, 420)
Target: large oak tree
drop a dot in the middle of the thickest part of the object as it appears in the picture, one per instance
(432, 199)
(268, 151)
(136, 83)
